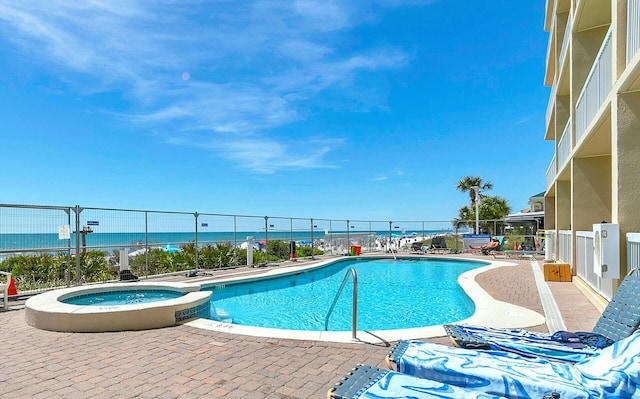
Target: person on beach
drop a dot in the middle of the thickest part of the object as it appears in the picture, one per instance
(492, 246)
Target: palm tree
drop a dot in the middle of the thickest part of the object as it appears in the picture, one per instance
(467, 183)
(491, 208)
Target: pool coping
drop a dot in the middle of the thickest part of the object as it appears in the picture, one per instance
(46, 311)
(489, 311)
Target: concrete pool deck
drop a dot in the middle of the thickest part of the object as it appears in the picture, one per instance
(188, 362)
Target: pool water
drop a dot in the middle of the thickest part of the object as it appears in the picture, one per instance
(400, 294)
(117, 298)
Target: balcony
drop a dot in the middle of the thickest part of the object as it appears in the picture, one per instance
(551, 173)
(596, 89)
(565, 42)
(633, 29)
(564, 146)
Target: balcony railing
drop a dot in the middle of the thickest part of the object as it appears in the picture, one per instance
(551, 173)
(550, 245)
(596, 89)
(564, 246)
(565, 43)
(564, 146)
(633, 251)
(552, 102)
(633, 29)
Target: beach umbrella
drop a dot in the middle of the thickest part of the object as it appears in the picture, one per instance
(170, 249)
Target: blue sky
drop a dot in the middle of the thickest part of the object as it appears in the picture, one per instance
(369, 110)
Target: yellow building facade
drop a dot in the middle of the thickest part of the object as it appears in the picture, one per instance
(593, 118)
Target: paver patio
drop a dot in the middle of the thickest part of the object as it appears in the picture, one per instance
(187, 362)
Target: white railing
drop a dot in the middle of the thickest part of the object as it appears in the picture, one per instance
(633, 251)
(552, 101)
(550, 244)
(585, 267)
(596, 89)
(633, 29)
(564, 246)
(551, 173)
(583, 264)
(565, 44)
(564, 146)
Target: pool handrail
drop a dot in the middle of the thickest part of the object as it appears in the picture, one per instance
(354, 304)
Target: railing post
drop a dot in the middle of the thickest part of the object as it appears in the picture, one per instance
(266, 239)
(235, 240)
(77, 231)
(68, 271)
(146, 243)
(348, 239)
(312, 243)
(331, 236)
(354, 305)
(195, 248)
(354, 302)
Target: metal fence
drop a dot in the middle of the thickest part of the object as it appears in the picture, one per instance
(46, 239)
(64, 245)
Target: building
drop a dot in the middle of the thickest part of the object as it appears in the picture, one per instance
(593, 117)
(532, 217)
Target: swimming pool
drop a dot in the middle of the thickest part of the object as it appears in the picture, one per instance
(124, 297)
(392, 294)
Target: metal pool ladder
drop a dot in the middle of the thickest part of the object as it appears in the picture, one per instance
(354, 305)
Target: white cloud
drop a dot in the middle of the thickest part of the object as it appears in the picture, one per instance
(251, 64)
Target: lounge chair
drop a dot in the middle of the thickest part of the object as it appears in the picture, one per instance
(417, 248)
(612, 373)
(620, 319)
(438, 245)
(367, 382)
(524, 254)
(494, 247)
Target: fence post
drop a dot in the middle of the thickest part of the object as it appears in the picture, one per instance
(77, 231)
(196, 243)
(331, 235)
(68, 271)
(146, 243)
(235, 241)
(312, 242)
(348, 239)
(266, 239)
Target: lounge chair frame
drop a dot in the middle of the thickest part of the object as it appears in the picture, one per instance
(352, 382)
(619, 319)
(360, 378)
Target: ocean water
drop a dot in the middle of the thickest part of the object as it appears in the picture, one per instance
(45, 241)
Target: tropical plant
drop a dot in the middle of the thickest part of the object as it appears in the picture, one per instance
(490, 208)
(467, 183)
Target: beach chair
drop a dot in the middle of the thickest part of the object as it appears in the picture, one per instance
(368, 382)
(523, 254)
(438, 245)
(612, 373)
(494, 249)
(416, 248)
(619, 320)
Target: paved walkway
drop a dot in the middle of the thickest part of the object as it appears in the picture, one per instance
(186, 362)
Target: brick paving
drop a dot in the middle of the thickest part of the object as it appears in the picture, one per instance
(186, 362)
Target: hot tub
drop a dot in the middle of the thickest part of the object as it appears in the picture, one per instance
(47, 311)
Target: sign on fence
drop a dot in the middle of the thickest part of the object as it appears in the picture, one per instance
(64, 232)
